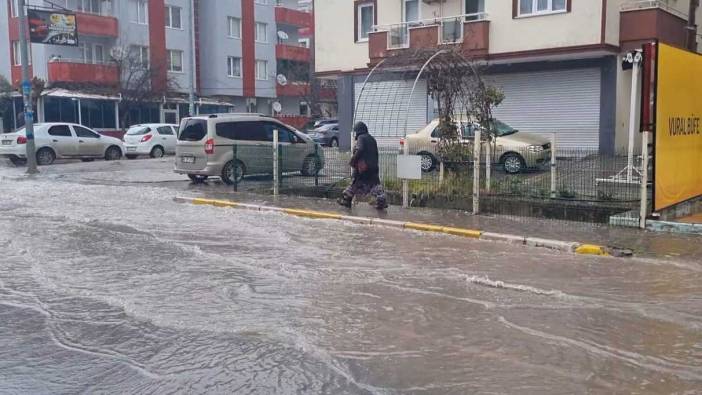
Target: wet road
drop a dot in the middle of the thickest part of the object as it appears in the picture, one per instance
(116, 288)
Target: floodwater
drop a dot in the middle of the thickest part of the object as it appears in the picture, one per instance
(118, 289)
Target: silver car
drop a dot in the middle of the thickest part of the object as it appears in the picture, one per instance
(207, 144)
(326, 135)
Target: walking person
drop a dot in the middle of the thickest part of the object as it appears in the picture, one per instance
(366, 173)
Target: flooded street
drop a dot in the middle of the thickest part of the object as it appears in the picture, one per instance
(118, 289)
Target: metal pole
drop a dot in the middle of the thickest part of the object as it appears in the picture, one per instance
(405, 182)
(643, 212)
(191, 96)
(316, 159)
(488, 165)
(476, 172)
(235, 160)
(636, 72)
(276, 173)
(553, 166)
(27, 91)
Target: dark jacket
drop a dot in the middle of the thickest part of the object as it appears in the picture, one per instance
(365, 152)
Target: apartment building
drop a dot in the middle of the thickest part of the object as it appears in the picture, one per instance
(557, 61)
(236, 48)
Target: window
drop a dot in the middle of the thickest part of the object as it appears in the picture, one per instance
(233, 66)
(284, 134)
(60, 109)
(535, 7)
(97, 114)
(243, 131)
(193, 130)
(99, 53)
(304, 42)
(411, 10)
(14, 8)
(234, 26)
(17, 53)
(84, 132)
(175, 61)
(100, 7)
(60, 131)
(261, 70)
(140, 56)
(92, 53)
(261, 32)
(165, 130)
(141, 12)
(173, 20)
(304, 108)
(473, 8)
(262, 2)
(365, 14)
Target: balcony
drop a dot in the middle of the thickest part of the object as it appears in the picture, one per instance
(97, 25)
(79, 72)
(292, 52)
(645, 21)
(293, 89)
(470, 32)
(288, 16)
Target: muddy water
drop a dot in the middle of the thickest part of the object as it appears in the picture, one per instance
(119, 289)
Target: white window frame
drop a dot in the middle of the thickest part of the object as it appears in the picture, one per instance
(404, 10)
(536, 12)
(258, 70)
(102, 52)
(230, 30)
(14, 8)
(359, 22)
(265, 32)
(170, 53)
(142, 12)
(304, 42)
(86, 7)
(231, 61)
(141, 52)
(261, 2)
(17, 53)
(169, 15)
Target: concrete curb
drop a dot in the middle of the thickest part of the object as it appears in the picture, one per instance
(557, 245)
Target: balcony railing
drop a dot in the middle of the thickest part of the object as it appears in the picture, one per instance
(78, 70)
(292, 52)
(649, 4)
(451, 29)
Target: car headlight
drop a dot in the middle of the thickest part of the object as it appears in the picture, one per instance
(535, 148)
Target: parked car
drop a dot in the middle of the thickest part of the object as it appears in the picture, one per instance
(326, 135)
(516, 151)
(60, 141)
(153, 139)
(205, 147)
(314, 124)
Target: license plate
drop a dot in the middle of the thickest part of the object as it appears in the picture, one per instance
(131, 149)
(6, 142)
(188, 159)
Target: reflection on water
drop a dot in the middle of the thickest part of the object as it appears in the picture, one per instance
(118, 289)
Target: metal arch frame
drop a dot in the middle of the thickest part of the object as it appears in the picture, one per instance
(414, 86)
(360, 95)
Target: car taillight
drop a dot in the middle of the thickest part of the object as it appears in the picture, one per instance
(402, 142)
(21, 140)
(146, 138)
(209, 147)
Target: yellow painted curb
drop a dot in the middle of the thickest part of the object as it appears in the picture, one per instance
(591, 249)
(311, 214)
(213, 202)
(473, 234)
(423, 227)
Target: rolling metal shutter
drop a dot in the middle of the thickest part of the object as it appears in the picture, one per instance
(383, 107)
(565, 102)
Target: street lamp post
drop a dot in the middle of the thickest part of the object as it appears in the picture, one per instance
(27, 91)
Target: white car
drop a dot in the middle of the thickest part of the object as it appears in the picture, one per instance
(153, 139)
(60, 141)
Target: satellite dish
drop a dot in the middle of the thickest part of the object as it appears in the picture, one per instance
(282, 80)
(117, 53)
(277, 107)
(282, 35)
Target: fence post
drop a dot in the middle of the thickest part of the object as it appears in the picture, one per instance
(553, 166)
(316, 164)
(488, 166)
(236, 166)
(441, 172)
(405, 182)
(476, 171)
(643, 210)
(276, 173)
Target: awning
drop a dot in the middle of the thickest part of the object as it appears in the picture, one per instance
(59, 92)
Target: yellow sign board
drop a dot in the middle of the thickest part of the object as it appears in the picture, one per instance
(678, 139)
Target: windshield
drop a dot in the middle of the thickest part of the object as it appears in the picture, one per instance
(138, 131)
(502, 129)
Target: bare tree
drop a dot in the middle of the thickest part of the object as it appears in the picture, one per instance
(5, 99)
(311, 88)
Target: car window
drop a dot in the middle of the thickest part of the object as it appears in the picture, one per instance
(285, 135)
(468, 130)
(193, 130)
(435, 132)
(60, 131)
(84, 132)
(165, 130)
(138, 130)
(242, 131)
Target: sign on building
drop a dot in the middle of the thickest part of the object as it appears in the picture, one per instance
(51, 27)
(678, 133)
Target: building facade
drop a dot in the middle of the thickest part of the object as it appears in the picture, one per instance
(557, 61)
(236, 47)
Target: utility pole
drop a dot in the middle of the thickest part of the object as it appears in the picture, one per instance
(27, 91)
(191, 98)
(692, 26)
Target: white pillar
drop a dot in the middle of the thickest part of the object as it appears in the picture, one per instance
(553, 166)
(636, 72)
(405, 183)
(80, 112)
(276, 173)
(117, 126)
(643, 209)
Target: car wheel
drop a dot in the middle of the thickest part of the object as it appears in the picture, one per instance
(131, 156)
(45, 156)
(197, 179)
(157, 152)
(311, 165)
(428, 162)
(113, 153)
(232, 173)
(513, 163)
(334, 142)
(18, 161)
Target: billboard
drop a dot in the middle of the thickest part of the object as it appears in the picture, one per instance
(51, 27)
(678, 134)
